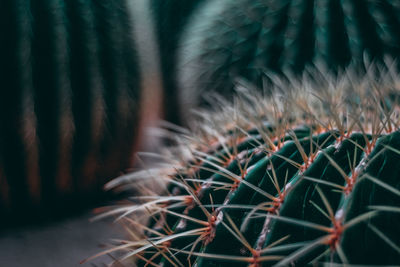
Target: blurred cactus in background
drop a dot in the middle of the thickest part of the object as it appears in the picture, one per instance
(170, 19)
(69, 103)
(227, 41)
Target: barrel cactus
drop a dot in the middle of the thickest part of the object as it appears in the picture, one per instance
(226, 40)
(309, 175)
(69, 103)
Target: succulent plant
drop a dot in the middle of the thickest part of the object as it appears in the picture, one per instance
(69, 103)
(309, 175)
(171, 17)
(230, 40)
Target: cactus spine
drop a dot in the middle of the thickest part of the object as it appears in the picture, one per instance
(307, 176)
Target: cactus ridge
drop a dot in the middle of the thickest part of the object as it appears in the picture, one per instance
(302, 178)
(230, 40)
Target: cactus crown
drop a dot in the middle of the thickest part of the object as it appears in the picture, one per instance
(305, 176)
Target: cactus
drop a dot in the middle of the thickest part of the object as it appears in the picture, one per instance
(308, 175)
(230, 40)
(69, 103)
(171, 17)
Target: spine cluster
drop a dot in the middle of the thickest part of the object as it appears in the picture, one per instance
(308, 176)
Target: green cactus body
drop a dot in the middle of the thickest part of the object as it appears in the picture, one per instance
(227, 41)
(69, 103)
(319, 183)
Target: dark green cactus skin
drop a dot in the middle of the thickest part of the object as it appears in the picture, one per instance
(299, 203)
(69, 102)
(230, 40)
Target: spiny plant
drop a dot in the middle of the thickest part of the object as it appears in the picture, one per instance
(69, 103)
(226, 39)
(309, 175)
